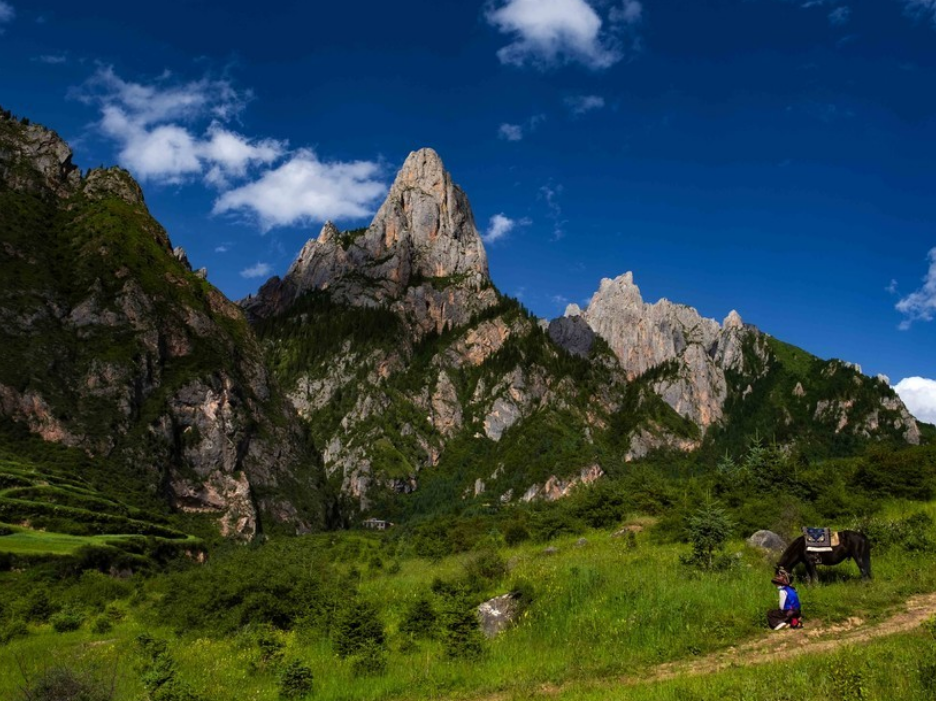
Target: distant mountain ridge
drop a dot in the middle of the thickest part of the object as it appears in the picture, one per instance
(385, 361)
(467, 370)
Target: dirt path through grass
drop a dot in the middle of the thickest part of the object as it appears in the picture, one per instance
(814, 637)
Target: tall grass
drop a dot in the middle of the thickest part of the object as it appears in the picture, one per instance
(605, 609)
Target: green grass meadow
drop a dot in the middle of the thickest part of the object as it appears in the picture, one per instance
(603, 609)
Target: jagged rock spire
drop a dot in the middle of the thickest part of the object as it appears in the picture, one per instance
(424, 230)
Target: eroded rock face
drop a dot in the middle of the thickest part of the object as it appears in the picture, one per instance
(645, 336)
(140, 361)
(421, 255)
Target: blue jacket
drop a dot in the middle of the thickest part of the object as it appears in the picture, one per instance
(792, 599)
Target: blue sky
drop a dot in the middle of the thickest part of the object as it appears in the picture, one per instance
(770, 156)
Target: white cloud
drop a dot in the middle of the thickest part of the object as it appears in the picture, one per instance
(580, 104)
(500, 226)
(551, 32)
(551, 193)
(7, 13)
(516, 132)
(921, 8)
(51, 59)
(222, 249)
(510, 132)
(258, 270)
(839, 16)
(920, 305)
(919, 394)
(306, 189)
(175, 132)
(152, 124)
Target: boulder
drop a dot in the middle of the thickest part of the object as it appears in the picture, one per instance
(767, 540)
(497, 614)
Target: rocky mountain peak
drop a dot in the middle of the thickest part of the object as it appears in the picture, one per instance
(422, 256)
(35, 159)
(733, 321)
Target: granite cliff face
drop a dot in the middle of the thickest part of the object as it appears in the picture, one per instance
(112, 344)
(701, 368)
(421, 256)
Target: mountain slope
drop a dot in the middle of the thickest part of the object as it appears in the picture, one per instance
(112, 343)
(429, 390)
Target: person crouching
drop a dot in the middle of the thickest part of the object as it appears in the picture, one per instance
(789, 613)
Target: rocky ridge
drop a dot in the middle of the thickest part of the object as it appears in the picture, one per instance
(118, 348)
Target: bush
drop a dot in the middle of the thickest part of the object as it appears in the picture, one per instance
(66, 684)
(66, 621)
(420, 618)
(101, 624)
(461, 634)
(295, 680)
(358, 626)
(371, 660)
(486, 567)
(12, 630)
(708, 530)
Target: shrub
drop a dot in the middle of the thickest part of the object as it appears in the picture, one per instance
(461, 634)
(357, 627)
(101, 624)
(66, 684)
(485, 567)
(708, 530)
(12, 630)
(295, 680)
(420, 618)
(65, 621)
(371, 660)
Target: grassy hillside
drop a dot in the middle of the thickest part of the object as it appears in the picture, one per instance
(602, 578)
(598, 609)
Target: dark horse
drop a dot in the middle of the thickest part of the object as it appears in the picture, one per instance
(852, 544)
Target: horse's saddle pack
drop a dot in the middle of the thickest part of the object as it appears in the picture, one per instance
(820, 540)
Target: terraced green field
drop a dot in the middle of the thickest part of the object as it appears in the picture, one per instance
(46, 511)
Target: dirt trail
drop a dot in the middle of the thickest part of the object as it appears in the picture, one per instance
(776, 646)
(787, 644)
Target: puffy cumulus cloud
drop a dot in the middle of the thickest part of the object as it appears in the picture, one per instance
(258, 270)
(580, 104)
(920, 305)
(921, 9)
(500, 226)
(176, 132)
(154, 126)
(551, 32)
(304, 189)
(919, 394)
(7, 13)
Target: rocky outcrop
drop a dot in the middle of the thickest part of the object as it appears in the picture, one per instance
(646, 336)
(422, 256)
(767, 540)
(498, 614)
(555, 488)
(572, 332)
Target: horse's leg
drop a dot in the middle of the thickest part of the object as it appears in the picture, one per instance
(863, 560)
(812, 574)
